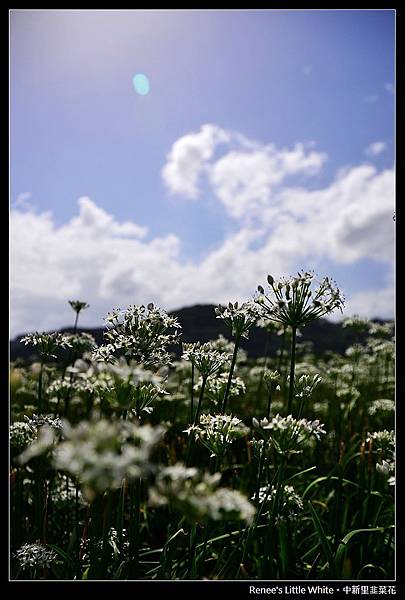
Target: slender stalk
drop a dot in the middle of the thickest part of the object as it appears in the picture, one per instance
(281, 355)
(40, 386)
(266, 353)
(95, 527)
(71, 359)
(106, 529)
(260, 472)
(192, 393)
(135, 501)
(191, 573)
(75, 324)
(196, 417)
(77, 524)
(269, 405)
(197, 412)
(292, 369)
(228, 385)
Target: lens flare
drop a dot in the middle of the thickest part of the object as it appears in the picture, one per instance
(141, 84)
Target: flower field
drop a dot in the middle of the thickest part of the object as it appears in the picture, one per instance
(127, 463)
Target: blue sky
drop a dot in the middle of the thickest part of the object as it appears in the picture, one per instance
(322, 79)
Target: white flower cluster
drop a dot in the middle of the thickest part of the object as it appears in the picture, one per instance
(207, 360)
(216, 387)
(35, 555)
(357, 323)
(287, 434)
(47, 343)
(36, 422)
(384, 441)
(272, 380)
(290, 505)
(21, 436)
(82, 342)
(216, 432)
(303, 427)
(240, 319)
(35, 435)
(64, 385)
(101, 454)
(292, 302)
(382, 405)
(305, 385)
(197, 496)
(142, 333)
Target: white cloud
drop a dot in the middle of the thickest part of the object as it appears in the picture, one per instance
(245, 176)
(187, 158)
(277, 227)
(346, 221)
(375, 148)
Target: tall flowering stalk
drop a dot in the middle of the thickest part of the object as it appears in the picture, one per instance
(293, 303)
(47, 344)
(208, 361)
(77, 306)
(240, 319)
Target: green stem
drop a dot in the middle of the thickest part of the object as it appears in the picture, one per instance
(96, 524)
(40, 387)
(197, 413)
(292, 370)
(228, 385)
(135, 500)
(260, 472)
(281, 355)
(266, 352)
(193, 544)
(269, 406)
(77, 530)
(192, 393)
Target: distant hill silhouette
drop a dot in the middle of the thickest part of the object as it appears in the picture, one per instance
(200, 323)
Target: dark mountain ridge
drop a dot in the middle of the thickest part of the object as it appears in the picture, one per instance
(200, 323)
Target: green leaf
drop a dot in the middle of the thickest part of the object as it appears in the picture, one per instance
(341, 551)
(325, 545)
(282, 534)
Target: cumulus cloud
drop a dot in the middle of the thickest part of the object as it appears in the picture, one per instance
(375, 148)
(188, 157)
(245, 176)
(277, 226)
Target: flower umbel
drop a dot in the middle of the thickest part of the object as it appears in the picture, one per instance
(239, 319)
(207, 360)
(142, 333)
(293, 302)
(47, 343)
